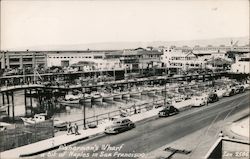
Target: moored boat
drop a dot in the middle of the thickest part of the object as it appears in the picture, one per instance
(135, 93)
(38, 118)
(63, 101)
(59, 124)
(125, 95)
(151, 92)
(86, 98)
(71, 98)
(96, 97)
(107, 96)
(117, 95)
(144, 92)
(159, 90)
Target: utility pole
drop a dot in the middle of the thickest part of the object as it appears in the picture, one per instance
(84, 110)
(165, 95)
(114, 72)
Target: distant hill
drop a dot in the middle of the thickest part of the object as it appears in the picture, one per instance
(131, 45)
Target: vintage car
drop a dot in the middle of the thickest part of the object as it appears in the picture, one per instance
(199, 101)
(239, 89)
(213, 97)
(167, 111)
(229, 92)
(119, 125)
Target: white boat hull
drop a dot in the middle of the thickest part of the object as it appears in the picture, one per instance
(28, 121)
(70, 101)
(158, 91)
(118, 96)
(97, 99)
(127, 95)
(151, 93)
(85, 100)
(144, 92)
(135, 94)
(108, 98)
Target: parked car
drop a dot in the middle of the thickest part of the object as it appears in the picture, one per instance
(213, 97)
(229, 92)
(167, 111)
(239, 89)
(119, 125)
(199, 101)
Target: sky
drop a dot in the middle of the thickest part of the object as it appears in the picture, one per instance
(26, 23)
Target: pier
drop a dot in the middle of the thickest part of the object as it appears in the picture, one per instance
(45, 94)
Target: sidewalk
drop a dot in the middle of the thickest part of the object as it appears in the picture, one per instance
(241, 127)
(55, 142)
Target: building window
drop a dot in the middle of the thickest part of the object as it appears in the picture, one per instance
(27, 59)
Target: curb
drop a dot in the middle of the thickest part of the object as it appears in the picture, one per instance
(245, 116)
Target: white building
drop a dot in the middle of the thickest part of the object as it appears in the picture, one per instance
(84, 60)
(242, 65)
(179, 60)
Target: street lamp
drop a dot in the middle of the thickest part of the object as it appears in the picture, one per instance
(84, 110)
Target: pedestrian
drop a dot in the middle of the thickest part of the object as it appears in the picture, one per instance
(135, 111)
(76, 129)
(69, 128)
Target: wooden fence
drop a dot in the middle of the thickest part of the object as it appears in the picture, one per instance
(23, 135)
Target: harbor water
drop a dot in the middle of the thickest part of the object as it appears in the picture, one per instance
(73, 112)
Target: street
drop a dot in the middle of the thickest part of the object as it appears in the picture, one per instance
(155, 132)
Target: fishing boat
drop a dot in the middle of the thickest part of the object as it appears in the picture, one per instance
(117, 95)
(63, 101)
(135, 93)
(59, 124)
(125, 95)
(159, 90)
(38, 118)
(71, 98)
(144, 92)
(151, 91)
(96, 97)
(86, 98)
(107, 96)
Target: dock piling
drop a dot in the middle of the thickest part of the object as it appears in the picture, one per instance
(13, 106)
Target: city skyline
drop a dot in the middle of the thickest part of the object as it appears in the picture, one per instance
(30, 24)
